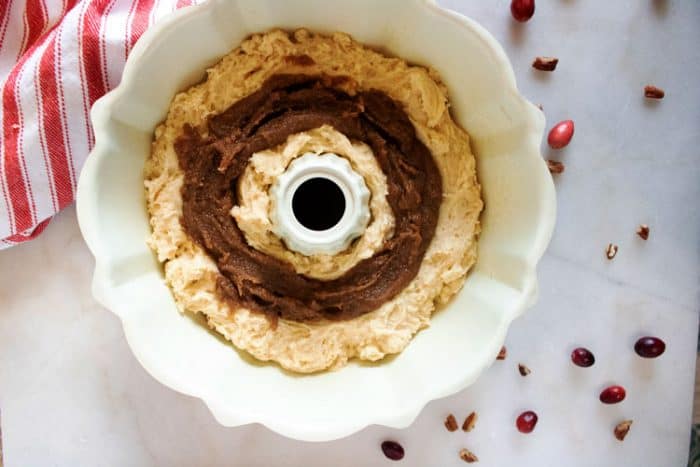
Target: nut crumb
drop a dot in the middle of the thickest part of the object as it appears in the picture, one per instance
(611, 251)
(555, 167)
(524, 371)
(643, 231)
(502, 354)
(467, 456)
(470, 422)
(451, 423)
(652, 92)
(622, 429)
(545, 63)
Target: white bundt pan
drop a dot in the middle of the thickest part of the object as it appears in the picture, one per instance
(463, 339)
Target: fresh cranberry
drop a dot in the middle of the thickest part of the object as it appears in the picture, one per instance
(522, 10)
(612, 395)
(526, 421)
(560, 135)
(649, 347)
(393, 450)
(582, 357)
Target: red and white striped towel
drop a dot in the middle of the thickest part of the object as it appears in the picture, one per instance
(56, 58)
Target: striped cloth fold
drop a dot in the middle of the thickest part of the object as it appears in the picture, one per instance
(56, 58)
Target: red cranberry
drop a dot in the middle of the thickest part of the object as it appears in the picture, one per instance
(526, 421)
(612, 395)
(522, 10)
(392, 450)
(649, 347)
(560, 135)
(582, 357)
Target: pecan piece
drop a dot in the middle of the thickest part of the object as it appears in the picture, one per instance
(652, 92)
(502, 354)
(451, 423)
(555, 167)
(470, 422)
(524, 371)
(611, 251)
(622, 429)
(545, 63)
(467, 456)
(643, 231)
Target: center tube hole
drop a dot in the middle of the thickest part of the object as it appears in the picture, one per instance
(318, 204)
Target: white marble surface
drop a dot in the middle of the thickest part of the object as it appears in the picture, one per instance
(71, 393)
